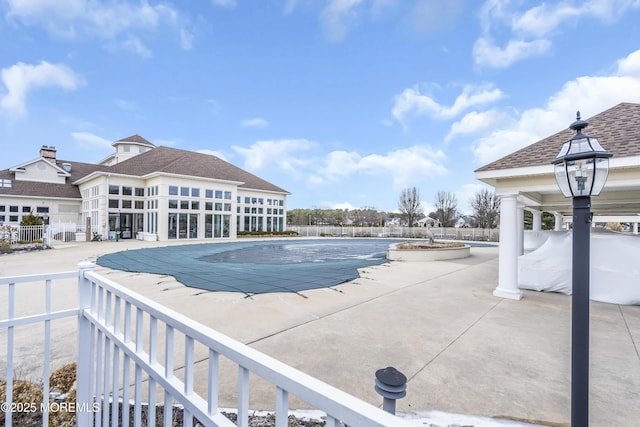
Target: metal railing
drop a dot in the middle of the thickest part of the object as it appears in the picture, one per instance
(127, 354)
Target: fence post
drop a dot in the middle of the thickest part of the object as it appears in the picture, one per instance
(84, 400)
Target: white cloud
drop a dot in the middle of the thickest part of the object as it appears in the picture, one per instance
(337, 16)
(476, 122)
(265, 154)
(413, 103)
(630, 66)
(341, 205)
(589, 94)
(341, 163)
(21, 78)
(103, 20)
(257, 122)
(466, 194)
(487, 54)
(543, 19)
(405, 166)
(186, 39)
(529, 32)
(133, 44)
(546, 18)
(216, 153)
(90, 140)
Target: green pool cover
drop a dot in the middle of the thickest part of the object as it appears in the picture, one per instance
(256, 267)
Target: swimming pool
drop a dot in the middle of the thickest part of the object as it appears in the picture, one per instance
(257, 267)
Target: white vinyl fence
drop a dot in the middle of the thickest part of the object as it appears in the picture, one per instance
(127, 355)
(445, 233)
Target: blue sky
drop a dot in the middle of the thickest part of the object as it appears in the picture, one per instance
(343, 103)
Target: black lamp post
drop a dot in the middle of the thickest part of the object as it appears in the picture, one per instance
(581, 170)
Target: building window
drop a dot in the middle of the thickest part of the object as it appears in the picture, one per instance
(227, 207)
(26, 209)
(139, 204)
(114, 189)
(184, 191)
(5, 183)
(2, 208)
(208, 206)
(114, 203)
(247, 200)
(195, 192)
(218, 194)
(13, 209)
(173, 204)
(227, 195)
(173, 190)
(127, 191)
(208, 194)
(13, 218)
(126, 204)
(42, 209)
(218, 206)
(195, 206)
(184, 204)
(139, 192)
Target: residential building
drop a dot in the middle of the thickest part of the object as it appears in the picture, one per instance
(143, 191)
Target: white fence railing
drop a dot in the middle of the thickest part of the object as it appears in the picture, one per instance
(63, 232)
(450, 233)
(127, 354)
(22, 233)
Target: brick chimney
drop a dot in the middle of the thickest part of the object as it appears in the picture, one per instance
(48, 152)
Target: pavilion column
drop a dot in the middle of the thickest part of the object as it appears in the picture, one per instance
(635, 228)
(508, 249)
(558, 226)
(537, 220)
(520, 223)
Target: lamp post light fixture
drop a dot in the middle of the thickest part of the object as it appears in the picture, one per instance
(581, 170)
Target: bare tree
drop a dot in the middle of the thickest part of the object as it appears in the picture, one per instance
(409, 205)
(486, 208)
(446, 208)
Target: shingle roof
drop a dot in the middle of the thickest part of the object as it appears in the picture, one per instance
(182, 162)
(159, 159)
(617, 130)
(136, 138)
(43, 189)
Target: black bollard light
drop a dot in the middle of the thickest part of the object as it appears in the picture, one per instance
(391, 384)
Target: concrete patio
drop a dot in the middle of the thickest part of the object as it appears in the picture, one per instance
(463, 350)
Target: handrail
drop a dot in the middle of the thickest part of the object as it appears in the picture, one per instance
(110, 337)
(336, 403)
